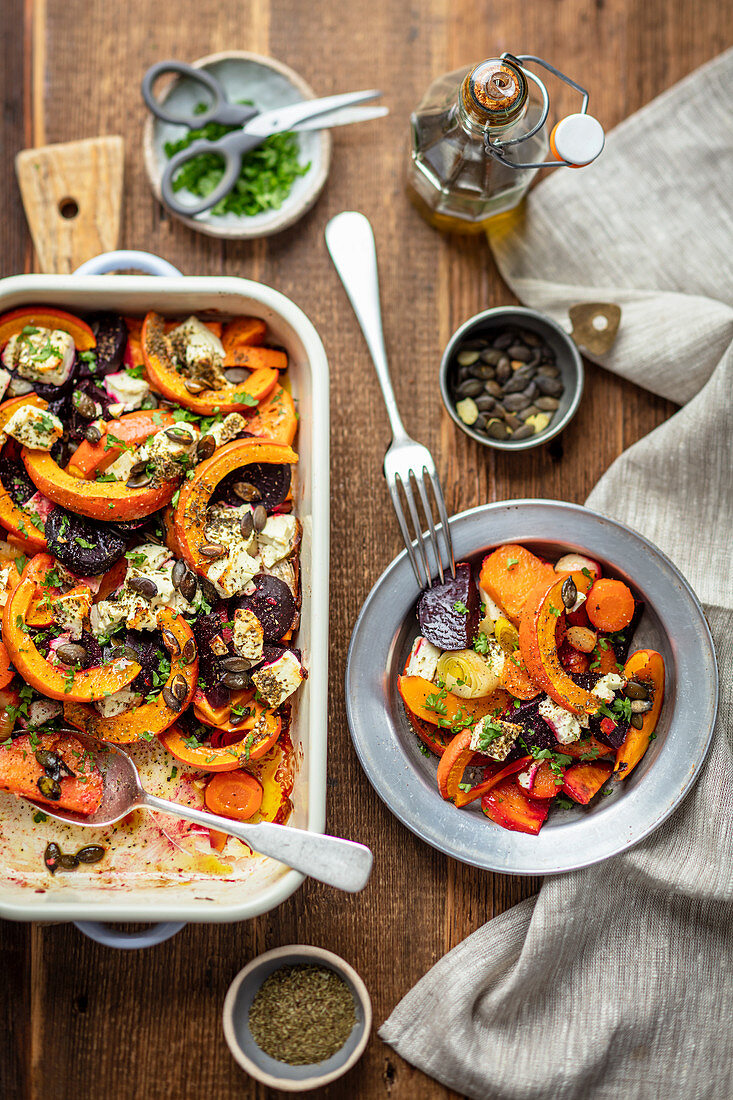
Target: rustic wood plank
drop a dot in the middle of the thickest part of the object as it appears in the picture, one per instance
(84, 1021)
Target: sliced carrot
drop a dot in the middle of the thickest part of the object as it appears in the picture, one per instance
(464, 797)
(610, 604)
(510, 573)
(233, 794)
(244, 330)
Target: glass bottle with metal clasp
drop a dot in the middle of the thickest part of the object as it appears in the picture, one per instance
(479, 137)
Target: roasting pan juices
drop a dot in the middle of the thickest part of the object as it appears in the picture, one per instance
(158, 867)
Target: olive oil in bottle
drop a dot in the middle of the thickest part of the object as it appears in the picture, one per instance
(479, 137)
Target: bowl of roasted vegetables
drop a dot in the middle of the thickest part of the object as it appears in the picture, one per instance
(537, 694)
(149, 574)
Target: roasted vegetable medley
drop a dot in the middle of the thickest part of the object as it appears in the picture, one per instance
(521, 683)
(149, 570)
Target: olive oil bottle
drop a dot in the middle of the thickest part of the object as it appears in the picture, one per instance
(479, 136)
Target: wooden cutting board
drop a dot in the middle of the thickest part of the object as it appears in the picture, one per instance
(72, 194)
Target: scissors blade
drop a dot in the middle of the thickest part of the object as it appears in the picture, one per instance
(285, 118)
(344, 117)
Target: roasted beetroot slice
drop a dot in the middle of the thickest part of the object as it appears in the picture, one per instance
(151, 657)
(86, 547)
(14, 478)
(111, 333)
(205, 629)
(272, 602)
(535, 731)
(616, 737)
(449, 613)
(271, 480)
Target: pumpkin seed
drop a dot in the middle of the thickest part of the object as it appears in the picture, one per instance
(68, 861)
(49, 788)
(470, 388)
(208, 589)
(246, 525)
(171, 700)
(187, 585)
(514, 402)
(235, 375)
(503, 340)
(467, 411)
(547, 404)
(193, 386)
(179, 572)
(235, 664)
(523, 432)
(538, 422)
(491, 356)
(503, 369)
(71, 653)
(549, 387)
(179, 435)
(497, 429)
(637, 721)
(236, 680)
(548, 370)
(171, 643)
(144, 586)
(259, 517)
(205, 448)
(139, 468)
(518, 381)
(49, 761)
(84, 405)
(139, 481)
(179, 687)
(467, 358)
(212, 550)
(188, 656)
(532, 410)
(640, 706)
(91, 853)
(635, 690)
(512, 421)
(482, 371)
(246, 491)
(494, 390)
(519, 351)
(569, 593)
(485, 403)
(51, 857)
(92, 434)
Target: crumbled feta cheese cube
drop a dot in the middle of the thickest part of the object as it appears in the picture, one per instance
(126, 390)
(277, 681)
(41, 355)
(247, 634)
(129, 606)
(494, 737)
(122, 466)
(168, 457)
(4, 382)
(277, 539)
(34, 428)
(608, 685)
(70, 609)
(423, 659)
(231, 573)
(118, 702)
(563, 724)
(525, 779)
(8, 573)
(199, 351)
(227, 429)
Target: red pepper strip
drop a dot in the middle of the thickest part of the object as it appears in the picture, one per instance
(464, 797)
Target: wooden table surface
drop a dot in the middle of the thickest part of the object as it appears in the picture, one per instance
(83, 1021)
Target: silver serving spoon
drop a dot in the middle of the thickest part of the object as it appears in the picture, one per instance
(341, 863)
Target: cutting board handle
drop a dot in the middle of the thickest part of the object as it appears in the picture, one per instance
(124, 259)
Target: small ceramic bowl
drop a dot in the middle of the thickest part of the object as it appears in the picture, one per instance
(568, 361)
(269, 84)
(280, 1075)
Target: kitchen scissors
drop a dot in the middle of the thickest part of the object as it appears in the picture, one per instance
(255, 127)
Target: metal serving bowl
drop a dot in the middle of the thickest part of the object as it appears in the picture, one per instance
(673, 623)
(568, 362)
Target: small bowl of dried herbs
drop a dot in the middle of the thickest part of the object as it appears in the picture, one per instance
(279, 181)
(297, 1018)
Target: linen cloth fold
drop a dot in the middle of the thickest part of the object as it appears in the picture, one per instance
(617, 981)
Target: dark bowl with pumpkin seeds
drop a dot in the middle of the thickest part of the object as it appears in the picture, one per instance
(538, 344)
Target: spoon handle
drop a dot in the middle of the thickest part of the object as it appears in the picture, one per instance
(330, 859)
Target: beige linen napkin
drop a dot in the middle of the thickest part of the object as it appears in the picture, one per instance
(617, 981)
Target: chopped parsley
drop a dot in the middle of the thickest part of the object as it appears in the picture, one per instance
(511, 562)
(481, 643)
(460, 607)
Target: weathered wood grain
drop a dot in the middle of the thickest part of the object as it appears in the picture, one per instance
(86, 1022)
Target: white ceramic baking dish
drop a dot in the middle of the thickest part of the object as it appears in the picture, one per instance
(268, 883)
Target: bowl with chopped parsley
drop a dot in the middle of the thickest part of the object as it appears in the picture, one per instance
(279, 181)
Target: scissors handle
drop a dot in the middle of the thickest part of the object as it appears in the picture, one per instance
(220, 110)
(230, 148)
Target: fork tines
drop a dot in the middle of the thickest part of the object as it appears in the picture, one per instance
(416, 542)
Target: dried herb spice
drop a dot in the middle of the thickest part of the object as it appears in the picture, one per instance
(302, 1014)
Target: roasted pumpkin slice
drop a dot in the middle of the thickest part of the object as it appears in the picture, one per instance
(165, 379)
(13, 323)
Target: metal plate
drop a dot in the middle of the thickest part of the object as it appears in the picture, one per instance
(673, 622)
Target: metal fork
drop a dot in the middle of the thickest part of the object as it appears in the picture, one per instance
(408, 465)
